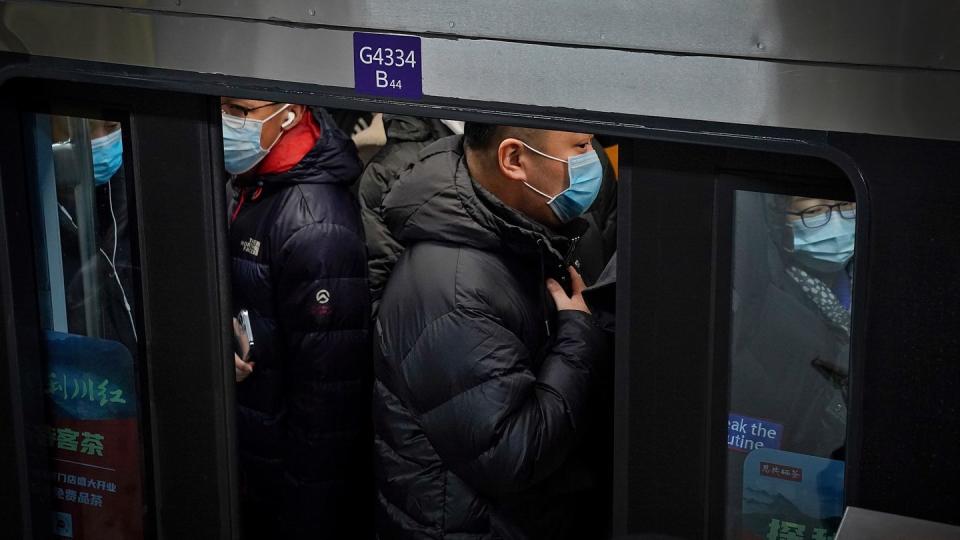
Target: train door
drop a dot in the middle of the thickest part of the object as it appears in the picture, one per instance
(734, 376)
(117, 407)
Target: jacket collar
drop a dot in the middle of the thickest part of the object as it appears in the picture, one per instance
(439, 201)
(520, 233)
(333, 159)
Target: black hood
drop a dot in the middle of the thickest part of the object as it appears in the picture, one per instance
(762, 250)
(775, 214)
(438, 201)
(411, 128)
(333, 160)
(779, 235)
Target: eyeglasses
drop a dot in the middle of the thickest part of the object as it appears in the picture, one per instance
(818, 215)
(239, 111)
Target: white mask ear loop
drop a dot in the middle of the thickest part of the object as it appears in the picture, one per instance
(548, 197)
(271, 117)
(548, 156)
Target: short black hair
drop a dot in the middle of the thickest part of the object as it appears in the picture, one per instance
(478, 135)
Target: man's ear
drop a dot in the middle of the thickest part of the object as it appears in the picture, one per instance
(292, 116)
(508, 159)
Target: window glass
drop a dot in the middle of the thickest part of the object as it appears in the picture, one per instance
(88, 287)
(793, 277)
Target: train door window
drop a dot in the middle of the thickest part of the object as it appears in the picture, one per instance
(111, 258)
(737, 271)
(88, 291)
(793, 258)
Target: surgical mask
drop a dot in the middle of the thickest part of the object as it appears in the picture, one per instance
(241, 141)
(827, 248)
(586, 173)
(107, 156)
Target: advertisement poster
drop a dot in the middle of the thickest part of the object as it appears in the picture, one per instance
(789, 496)
(746, 434)
(94, 440)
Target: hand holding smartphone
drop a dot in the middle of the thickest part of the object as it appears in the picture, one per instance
(242, 345)
(243, 335)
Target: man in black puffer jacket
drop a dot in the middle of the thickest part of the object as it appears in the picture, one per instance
(482, 374)
(299, 268)
(406, 137)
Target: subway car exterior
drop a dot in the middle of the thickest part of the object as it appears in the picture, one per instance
(719, 111)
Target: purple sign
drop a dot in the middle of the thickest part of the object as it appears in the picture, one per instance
(387, 65)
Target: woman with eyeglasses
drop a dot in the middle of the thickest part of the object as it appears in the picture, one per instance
(790, 336)
(822, 248)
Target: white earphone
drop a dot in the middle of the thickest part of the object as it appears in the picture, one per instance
(290, 118)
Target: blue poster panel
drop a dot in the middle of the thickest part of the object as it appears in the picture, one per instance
(790, 496)
(94, 439)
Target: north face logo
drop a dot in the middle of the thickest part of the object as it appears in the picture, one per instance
(251, 246)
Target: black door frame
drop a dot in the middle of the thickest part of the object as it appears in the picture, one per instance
(186, 369)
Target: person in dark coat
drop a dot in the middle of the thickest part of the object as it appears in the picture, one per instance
(483, 363)
(110, 263)
(299, 269)
(791, 324)
(406, 137)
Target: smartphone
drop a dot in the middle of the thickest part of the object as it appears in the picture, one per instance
(243, 333)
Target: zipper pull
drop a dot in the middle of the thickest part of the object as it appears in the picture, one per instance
(543, 275)
(567, 259)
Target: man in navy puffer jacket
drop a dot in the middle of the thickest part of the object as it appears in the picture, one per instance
(299, 268)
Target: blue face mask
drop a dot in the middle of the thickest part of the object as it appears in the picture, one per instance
(241, 141)
(107, 156)
(827, 248)
(586, 173)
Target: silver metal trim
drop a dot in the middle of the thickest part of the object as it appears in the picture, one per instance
(890, 33)
(905, 102)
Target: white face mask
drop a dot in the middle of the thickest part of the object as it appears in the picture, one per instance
(241, 141)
